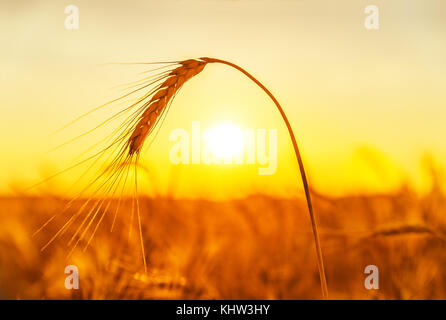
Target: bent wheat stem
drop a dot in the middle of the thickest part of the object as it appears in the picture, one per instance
(320, 259)
(166, 91)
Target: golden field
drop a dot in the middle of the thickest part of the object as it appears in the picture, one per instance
(258, 247)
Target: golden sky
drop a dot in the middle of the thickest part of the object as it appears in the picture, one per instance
(365, 105)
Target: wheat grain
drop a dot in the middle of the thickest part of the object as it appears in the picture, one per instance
(159, 101)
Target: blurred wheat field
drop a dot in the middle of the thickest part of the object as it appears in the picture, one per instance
(259, 247)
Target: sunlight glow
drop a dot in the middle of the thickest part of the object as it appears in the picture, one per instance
(225, 140)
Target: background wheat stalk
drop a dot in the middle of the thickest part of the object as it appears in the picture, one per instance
(166, 91)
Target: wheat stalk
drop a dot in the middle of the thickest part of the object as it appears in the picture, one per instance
(161, 98)
(131, 136)
(405, 229)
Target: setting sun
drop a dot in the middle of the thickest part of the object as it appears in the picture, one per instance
(225, 140)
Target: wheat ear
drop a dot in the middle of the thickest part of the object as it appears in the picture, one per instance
(159, 101)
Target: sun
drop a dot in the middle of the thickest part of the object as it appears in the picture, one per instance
(225, 140)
